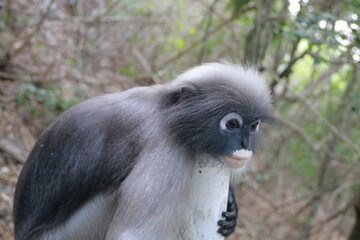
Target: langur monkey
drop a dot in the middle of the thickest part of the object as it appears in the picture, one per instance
(119, 166)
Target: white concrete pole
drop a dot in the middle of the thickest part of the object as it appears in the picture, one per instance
(210, 195)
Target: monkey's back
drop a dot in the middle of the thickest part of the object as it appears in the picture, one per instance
(85, 153)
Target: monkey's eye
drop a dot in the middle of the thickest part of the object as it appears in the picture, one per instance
(231, 121)
(254, 127)
(232, 124)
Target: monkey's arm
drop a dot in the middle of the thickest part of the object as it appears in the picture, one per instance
(228, 225)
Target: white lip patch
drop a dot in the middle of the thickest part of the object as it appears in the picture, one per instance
(242, 154)
(238, 158)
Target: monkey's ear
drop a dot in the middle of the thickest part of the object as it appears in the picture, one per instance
(185, 92)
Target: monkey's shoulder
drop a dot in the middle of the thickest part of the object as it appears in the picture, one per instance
(134, 103)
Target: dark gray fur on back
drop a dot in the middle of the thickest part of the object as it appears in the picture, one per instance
(133, 154)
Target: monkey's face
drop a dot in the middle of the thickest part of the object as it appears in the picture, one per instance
(237, 133)
(227, 135)
(217, 121)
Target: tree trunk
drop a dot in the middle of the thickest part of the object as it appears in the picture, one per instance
(355, 233)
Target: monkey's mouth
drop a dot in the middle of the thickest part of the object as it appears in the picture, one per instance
(238, 158)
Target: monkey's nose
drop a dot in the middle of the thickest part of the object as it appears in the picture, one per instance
(244, 144)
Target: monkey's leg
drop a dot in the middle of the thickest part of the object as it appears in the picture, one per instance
(228, 225)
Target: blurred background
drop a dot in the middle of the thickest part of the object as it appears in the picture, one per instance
(304, 185)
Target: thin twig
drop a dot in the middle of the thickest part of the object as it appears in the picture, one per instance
(145, 64)
(197, 42)
(319, 226)
(334, 129)
(36, 30)
(106, 19)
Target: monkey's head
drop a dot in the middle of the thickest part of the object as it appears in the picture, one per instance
(218, 109)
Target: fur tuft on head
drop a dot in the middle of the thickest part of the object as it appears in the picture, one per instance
(244, 77)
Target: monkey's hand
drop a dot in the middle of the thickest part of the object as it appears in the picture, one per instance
(228, 225)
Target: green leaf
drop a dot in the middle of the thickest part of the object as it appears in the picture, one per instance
(71, 62)
(180, 44)
(140, 11)
(236, 5)
(192, 30)
(127, 71)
